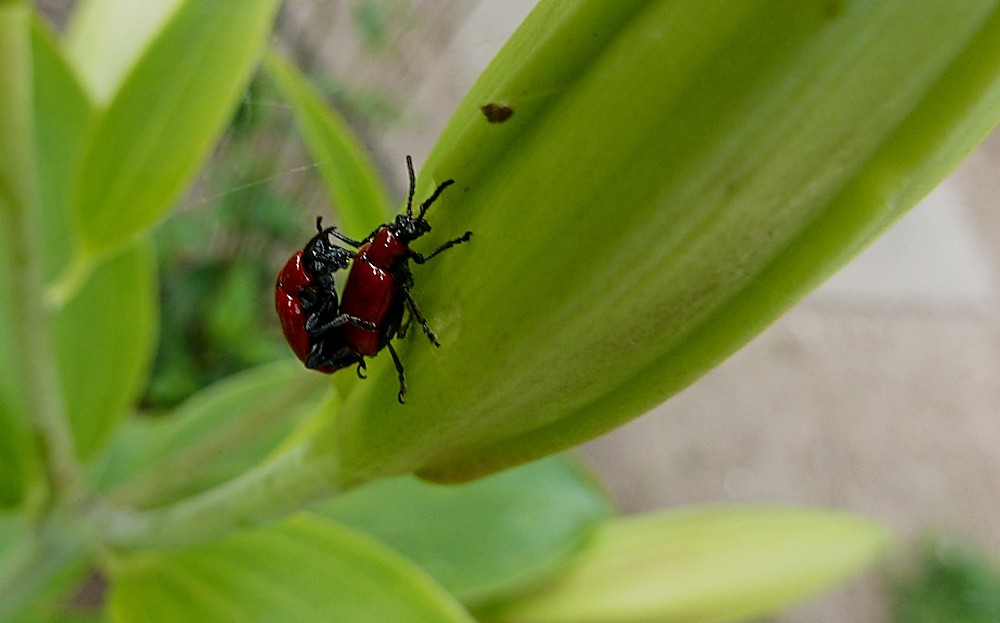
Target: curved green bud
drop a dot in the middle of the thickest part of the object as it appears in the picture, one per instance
(674, 176)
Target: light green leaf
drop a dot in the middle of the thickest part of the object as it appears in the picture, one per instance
(63, 116)
(105, 38)
(166, 117)
(352, 183)
(302, 570)
(105, 341)
(486, 538)
(701, 565)
(18, 459)
(105, 335)
(675, 175)
(214, 436)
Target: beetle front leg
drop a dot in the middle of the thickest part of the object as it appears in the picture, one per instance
(420, 259)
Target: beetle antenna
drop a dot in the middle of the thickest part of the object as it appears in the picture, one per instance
(433, 198)
(319, 223)
(413, 185)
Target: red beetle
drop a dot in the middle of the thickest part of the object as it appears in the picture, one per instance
(307, 305)
(378, 286)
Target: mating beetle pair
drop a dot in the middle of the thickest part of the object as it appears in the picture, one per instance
(328, 334)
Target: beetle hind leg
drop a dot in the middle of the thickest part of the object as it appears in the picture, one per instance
(399, 371)
(420, 318)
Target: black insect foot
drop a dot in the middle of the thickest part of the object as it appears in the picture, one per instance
(430, 335)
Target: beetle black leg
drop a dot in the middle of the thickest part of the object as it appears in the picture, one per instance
(315, 329)
(413, 185)
(437, 193)
(399, 371)
(420, 259)
(319, 358)
(360, 371)
(336, 234)
(420, 317)
(341, 237)
(403, 328)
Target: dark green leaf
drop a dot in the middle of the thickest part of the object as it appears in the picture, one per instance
(485, 538)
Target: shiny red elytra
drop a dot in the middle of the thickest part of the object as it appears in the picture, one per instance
(291, 281)
(305, 298)
(378, 286)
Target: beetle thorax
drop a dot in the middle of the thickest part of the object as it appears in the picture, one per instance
(385, 249)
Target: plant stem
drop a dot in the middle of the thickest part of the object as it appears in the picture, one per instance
(292, 480)
(31, 341)
(36, 561)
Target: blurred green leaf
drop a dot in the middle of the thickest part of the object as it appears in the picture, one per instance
(105, 335)
(372, 18)
(18, 459)
(233, 319)
(351, 180)
(675, 175)
(486, 538)
(301, 570)
(105, 339)
(106, 38)
(166, 117)
(700, 564)
(214, 436)
(63, 116)
(952, 583)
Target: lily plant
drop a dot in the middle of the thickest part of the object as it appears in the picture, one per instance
(649, 183)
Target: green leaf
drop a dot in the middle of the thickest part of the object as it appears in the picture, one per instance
(486, 538)
(674, 176)
(18, 459)
(105, 334)
(105, 341)
(166, 117)
(63, 116)
(952, 581)
(301, 570)
(701, 564)
(214, 436)
(351, 180)
(106, 38)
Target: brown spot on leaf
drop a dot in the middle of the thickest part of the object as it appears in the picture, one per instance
(497, 113)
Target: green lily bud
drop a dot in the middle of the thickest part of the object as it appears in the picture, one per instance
(673, 176)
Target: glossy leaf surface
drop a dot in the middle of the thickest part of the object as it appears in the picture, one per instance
(674, 177)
